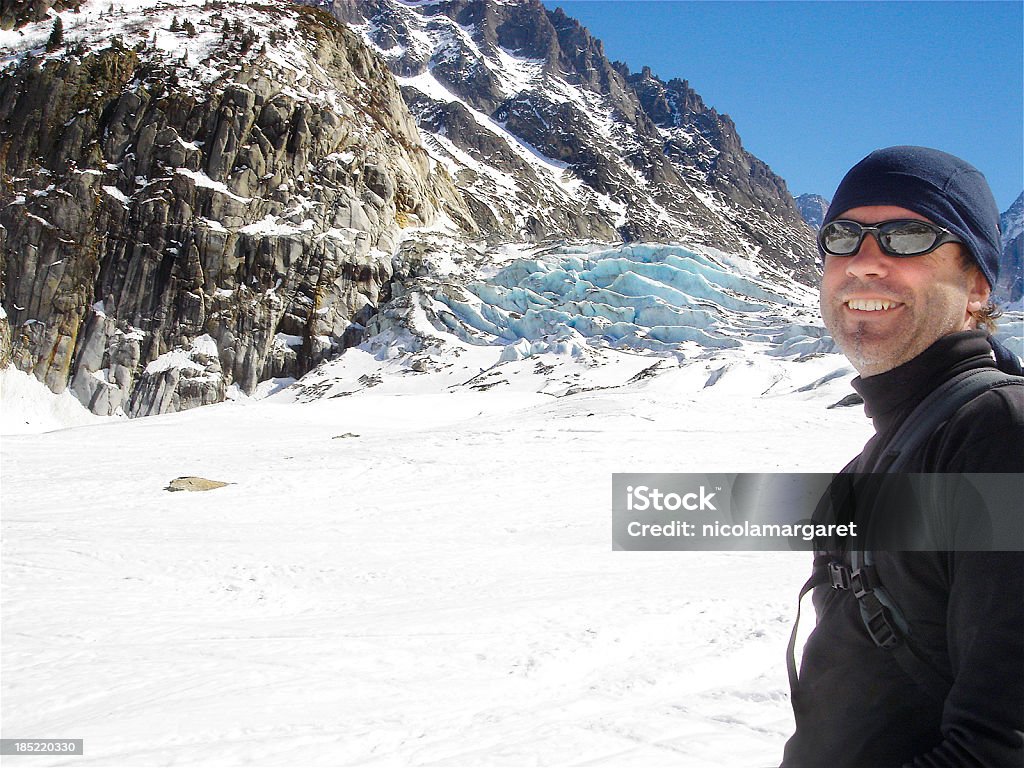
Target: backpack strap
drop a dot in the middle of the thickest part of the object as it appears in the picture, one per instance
(935, 410)
(882, 617)
(837, 497)
(819, 576)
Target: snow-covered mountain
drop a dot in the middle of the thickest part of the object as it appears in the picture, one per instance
(545, 136)
(1011, 221)
(1011, 280)
(813, 209)
(203, 196)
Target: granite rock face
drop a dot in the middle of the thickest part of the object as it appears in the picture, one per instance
(172, 229)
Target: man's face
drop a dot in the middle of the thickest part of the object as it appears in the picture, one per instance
(883, 311)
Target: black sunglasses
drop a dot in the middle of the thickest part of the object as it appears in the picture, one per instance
(897, 237)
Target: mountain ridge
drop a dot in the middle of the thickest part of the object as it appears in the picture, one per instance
(813, 209)
(621, 153)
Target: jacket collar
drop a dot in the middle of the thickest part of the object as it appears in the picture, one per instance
(890, 396)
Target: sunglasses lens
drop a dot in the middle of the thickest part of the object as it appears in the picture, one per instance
(840, 238)
(907, 238)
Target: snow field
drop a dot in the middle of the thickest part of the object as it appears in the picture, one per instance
(403, 579)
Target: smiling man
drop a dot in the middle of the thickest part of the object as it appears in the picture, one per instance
(885, 309)
(917, 657)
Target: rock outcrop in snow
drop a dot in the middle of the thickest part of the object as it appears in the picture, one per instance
(237, 183)
(17, 13)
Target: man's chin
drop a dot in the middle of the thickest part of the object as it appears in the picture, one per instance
(872, 353)
(872, 356)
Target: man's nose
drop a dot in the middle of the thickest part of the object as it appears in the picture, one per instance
(869, 261)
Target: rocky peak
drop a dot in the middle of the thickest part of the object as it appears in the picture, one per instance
(670, 105)
(813, 209)
(1010, 290)
(1011, 221)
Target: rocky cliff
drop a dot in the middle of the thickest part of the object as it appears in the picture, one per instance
(190, 207)
(1010, 290)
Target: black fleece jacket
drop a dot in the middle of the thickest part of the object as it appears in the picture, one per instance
(855, 706)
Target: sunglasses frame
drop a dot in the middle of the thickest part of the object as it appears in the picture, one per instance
(942, 236)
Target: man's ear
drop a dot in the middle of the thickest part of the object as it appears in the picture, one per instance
(978, 289)
(978, 294)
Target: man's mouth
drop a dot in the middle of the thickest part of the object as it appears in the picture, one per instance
(871, 305)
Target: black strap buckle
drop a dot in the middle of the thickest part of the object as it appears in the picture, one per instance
(880, 627)
(839, 575)
(863, 581)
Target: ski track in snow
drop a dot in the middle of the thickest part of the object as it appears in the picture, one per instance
(421, 579)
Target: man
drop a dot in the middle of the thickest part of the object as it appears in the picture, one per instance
(911, 249)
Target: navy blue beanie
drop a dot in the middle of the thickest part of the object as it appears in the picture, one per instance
(945, 189)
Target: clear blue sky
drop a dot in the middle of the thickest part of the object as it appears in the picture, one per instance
(815, 86)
